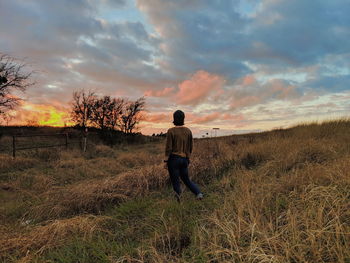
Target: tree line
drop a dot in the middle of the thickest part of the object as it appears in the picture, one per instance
(106, 112)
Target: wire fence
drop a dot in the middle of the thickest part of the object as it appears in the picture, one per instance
(14, 143)
(17, 146)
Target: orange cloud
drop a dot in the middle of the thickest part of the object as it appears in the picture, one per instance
(201, 85)
(41, 114)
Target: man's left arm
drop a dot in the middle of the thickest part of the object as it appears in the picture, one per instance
(169, 145)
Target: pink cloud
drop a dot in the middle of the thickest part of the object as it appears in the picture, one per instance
(249, 92)
(158, 117)
(282, 90)
(236, 117)
(200, 86)
(206, 118)
(160, 93)
(248, 80)
(244, 101)
(215, 116)
(191, 118)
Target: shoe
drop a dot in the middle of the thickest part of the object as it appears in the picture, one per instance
(200, 196)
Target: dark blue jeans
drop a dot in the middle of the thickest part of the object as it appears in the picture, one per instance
(178, 168)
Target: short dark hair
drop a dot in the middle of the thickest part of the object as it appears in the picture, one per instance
(179, 117)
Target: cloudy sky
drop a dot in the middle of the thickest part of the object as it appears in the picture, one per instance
(239, 65)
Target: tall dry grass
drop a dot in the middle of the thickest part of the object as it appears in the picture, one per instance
(284, 196)
(92, 196)
(54, 233)
(302, 217)
(8, 164)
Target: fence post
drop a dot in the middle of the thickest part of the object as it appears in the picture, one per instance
(85, 133)
(66, 141)
(14, 146)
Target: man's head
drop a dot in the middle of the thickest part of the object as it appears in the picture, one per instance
(179, 117)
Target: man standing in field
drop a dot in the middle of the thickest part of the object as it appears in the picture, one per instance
(178, 151)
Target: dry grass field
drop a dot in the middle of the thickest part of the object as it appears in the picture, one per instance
(280, 196)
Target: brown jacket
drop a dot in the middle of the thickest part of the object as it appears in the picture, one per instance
(179, 142)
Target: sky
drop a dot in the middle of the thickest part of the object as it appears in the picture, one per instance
(237, 65)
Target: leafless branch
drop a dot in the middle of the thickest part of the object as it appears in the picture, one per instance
(14, 76)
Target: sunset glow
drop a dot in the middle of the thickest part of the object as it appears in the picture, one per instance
(228, 64)
(40, 114)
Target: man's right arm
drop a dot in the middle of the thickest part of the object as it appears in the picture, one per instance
(190, 146)
(191, 142)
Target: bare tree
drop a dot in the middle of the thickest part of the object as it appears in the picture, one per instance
(14, 76)
(114, 118)
(132, 115)
(101, 112)
(106, 113)
(82, 107)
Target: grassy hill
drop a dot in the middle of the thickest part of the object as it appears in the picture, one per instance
(280, 196)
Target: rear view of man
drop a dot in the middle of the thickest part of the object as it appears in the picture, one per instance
(178, 151)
